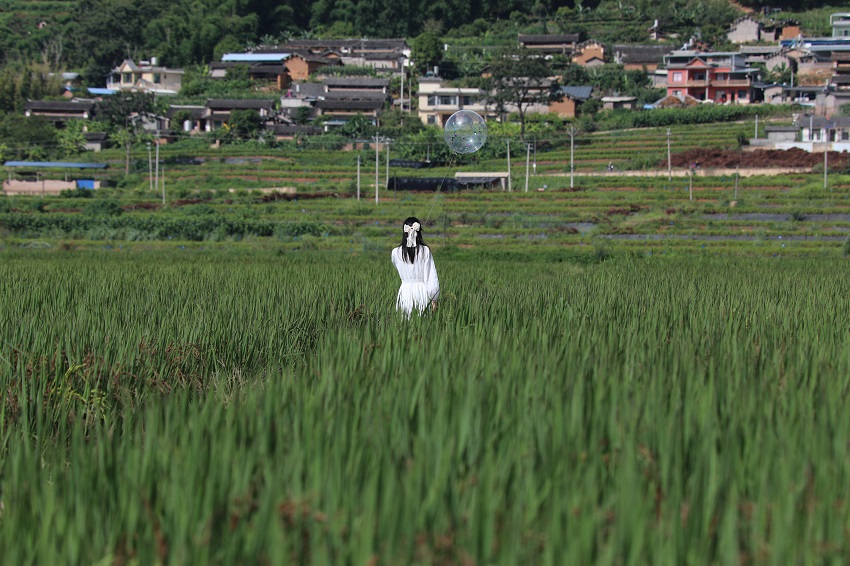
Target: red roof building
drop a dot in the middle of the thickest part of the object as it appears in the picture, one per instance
(718, 77)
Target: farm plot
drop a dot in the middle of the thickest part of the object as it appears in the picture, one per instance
(244, 406)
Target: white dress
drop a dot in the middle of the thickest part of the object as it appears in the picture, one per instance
(419, 283)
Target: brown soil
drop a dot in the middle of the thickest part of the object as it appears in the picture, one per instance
(760, 158)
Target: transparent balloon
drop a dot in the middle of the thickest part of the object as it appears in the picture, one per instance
(465, 131)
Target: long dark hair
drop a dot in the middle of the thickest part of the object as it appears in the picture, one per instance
(409, 254)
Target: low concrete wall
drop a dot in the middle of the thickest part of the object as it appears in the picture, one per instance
(41, 187)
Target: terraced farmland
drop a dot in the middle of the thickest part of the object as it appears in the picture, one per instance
(309, 202)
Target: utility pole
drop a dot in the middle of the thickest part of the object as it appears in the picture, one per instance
(669, 166)
(534, 165)
(358, 177)
(736, 182)
(402, 84)
(572, 131)
(757, 127)
(156, 141)
(163, 184)
(510, 187)
(150, 168)
(388, 164)
(825, 153)
(691, 183)
(812, 131)
(527, 160)
(377, 166)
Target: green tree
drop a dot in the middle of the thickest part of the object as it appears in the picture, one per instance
(302, 115)
(124, 137)
(426, 51)
(24, 88)
(122, 109)
(520, 79)
(8, 90)
(23, 134)
(71, 138)
(245, 123)
(358, 126)
(229, 44)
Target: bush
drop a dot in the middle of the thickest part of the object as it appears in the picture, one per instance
(105, 207)
(76, 193)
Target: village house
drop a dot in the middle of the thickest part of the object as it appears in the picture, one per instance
(356, 85)
(590, 53)
(147, 76)
(273, 74)
(635, 57)
(840, 23)
(301, 65)
(745, 30)
(218, 111)
(571, 98)
(841, 70)
(550, 44)
(619, 102)
(785, 30)
(191, 118)
(720, 77)
(383, 54)
(438, 102)
(60, 111)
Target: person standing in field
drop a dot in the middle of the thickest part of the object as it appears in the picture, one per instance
(420, 287)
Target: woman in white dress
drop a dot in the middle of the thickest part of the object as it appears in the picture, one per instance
(420, 287)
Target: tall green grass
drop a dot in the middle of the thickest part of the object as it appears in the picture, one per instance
(218, 408)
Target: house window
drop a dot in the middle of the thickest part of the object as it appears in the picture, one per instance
(127, 77)
(157, 78)
(845, 135)
(677, 93)
(433, 100)
(677, 77)
(448, 100)
(432, 119)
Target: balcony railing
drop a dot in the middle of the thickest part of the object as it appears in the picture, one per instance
(730, 83)
(713, 83)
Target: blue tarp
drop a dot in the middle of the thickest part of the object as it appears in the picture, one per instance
(101, 91)
(55, 164)
(85, 184)
(254, 57)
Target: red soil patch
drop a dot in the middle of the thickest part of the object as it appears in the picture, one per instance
(761, 158)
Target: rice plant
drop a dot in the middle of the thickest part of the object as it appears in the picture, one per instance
(217, 407)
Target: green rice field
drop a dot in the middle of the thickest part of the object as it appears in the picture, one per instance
(257, 403)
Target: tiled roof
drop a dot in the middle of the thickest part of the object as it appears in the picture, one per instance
(633, 54)
(357, 105)
(577, 92)
(356, 82)
(227, 104)
(59, 106)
